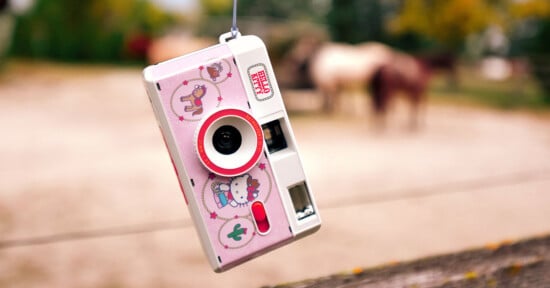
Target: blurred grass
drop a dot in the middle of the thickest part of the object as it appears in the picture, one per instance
(519, 92)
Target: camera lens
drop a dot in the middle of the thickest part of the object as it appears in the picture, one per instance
(227, 140)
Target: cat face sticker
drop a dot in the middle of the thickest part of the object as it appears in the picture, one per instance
(239, 191)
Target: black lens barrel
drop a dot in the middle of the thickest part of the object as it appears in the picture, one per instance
(227, 139)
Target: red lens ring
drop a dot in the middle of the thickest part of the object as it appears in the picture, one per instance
(232, 171)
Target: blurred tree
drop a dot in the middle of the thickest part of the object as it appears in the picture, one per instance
(522, 9)
(295, 10)
(304, 9)
(90, 30)
(530, 32)
(6, 29)
(537, 48)
(355, 21)
(217, 13)
(279, 23)
(448, 22)
(524, 24)
(217, 7)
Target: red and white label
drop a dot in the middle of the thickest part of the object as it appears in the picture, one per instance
(261, 85)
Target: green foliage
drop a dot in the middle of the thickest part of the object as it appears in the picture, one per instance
(450, 22)
(295, 10)
(542, 74)
(279, 23)
(355, 21)
(88, 30)
(218, 13)
(217, 7)
(530, 39)
(539, 57)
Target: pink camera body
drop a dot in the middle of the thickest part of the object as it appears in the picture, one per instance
(225, 126)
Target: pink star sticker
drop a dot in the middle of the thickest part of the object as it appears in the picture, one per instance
(213, 215)
(229, 74)
(236, 216)
(226, 247)
(211, 176)
(201, 68)
(262, 166)
(220, 98)
(185, 82)
(181, 118)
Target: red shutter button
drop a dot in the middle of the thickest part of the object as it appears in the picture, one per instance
(260, 217)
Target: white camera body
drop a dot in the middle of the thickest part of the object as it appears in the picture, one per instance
(225, 126)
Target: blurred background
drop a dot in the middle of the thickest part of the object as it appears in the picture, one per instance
(424, 127)
(506, 40)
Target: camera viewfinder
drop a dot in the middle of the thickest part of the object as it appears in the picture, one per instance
(301, 201)
(274, 136)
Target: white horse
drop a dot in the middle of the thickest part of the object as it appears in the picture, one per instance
(335, 67)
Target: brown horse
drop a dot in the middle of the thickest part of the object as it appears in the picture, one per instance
(387, 72)
(402, 75)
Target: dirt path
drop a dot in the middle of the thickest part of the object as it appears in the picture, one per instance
(80, 151)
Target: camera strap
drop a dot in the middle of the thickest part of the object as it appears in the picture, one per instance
(234, 28)
(234, 31)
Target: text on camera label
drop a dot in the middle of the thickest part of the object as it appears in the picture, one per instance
(261, 85)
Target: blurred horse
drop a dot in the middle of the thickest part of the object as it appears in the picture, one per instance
(402, 75)
(387, 72)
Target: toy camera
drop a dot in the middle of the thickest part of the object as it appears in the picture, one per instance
(225, 126)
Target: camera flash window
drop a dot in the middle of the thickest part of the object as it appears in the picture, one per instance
(301, 201)
(274, 136)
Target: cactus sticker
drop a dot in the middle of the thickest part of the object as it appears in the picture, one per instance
(237, 232)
